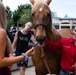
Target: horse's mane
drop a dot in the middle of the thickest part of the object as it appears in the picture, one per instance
(54, 35)
(38, 4)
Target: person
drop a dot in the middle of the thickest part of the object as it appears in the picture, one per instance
(68, 47)
(7, 31)
(8, 28)
(13, 33)
(6, 48)
(6, 13)
(20, 43)
(31, 43)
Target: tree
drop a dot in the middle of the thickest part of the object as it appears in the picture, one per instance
(66, 16)
(17, 13)
(54, 14)
(25, 16)
(10, 21)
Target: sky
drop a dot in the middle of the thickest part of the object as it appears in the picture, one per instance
(61, 7)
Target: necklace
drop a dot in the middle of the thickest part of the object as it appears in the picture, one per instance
(24, 32)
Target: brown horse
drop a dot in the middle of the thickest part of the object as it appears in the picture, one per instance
(42, 21)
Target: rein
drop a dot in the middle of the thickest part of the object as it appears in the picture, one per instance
(43, 56)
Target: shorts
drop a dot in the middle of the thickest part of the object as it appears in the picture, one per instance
(22, 63)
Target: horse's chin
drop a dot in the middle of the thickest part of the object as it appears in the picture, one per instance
(40, 43)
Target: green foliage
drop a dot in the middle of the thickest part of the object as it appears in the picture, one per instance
(10, 21)
(25, 17)
(20, 13)
(54, 14)
(20, 16)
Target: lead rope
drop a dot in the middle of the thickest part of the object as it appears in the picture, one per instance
(43, 56)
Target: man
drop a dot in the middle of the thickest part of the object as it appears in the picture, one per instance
(20, 42)
(13, 33)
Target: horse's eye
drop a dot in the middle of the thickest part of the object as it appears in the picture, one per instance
(32, 14)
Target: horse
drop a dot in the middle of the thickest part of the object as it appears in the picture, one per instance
(42, 21)
(65, 32)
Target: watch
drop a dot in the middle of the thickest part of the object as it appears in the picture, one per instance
(26, 57)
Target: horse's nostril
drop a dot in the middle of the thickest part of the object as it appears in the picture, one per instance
(41, 39)
(44, 38)
(36, 38)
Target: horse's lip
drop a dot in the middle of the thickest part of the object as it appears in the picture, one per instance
(40, 43)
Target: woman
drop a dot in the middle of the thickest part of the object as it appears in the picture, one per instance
(5, 46)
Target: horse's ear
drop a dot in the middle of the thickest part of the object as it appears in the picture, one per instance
(32, 1)
(48, 1)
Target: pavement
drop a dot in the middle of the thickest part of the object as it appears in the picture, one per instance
(29, 71)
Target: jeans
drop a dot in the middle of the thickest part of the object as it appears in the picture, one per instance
(62, 73)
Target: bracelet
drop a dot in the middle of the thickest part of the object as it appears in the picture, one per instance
(26, 57)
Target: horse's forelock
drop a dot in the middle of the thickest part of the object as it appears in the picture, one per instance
(38, 4)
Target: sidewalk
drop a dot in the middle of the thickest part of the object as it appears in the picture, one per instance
(29, 71)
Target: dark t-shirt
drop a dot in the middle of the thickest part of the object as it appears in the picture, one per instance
(22, 42)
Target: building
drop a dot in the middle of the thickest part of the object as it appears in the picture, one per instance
(64, 22)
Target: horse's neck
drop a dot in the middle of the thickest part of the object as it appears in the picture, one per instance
(53, 35)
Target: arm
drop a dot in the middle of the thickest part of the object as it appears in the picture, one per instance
(15, 40)
(6, 61)
(53, 45)
(33, 36)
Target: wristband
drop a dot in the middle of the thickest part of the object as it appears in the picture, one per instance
(26, 57)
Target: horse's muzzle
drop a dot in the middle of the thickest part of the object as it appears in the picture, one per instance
(41, 40)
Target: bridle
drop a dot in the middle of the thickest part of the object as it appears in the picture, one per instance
(43, 25)
(42, 51)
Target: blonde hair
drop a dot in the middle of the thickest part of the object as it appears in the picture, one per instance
(3, 25)
(29, 23)
(2, 16)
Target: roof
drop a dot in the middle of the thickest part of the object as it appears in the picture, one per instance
(67, 18)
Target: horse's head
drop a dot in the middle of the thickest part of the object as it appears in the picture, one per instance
(41, 16)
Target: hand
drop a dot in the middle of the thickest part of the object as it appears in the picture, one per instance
(30, 52)
(74, 66)
(11, 54)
